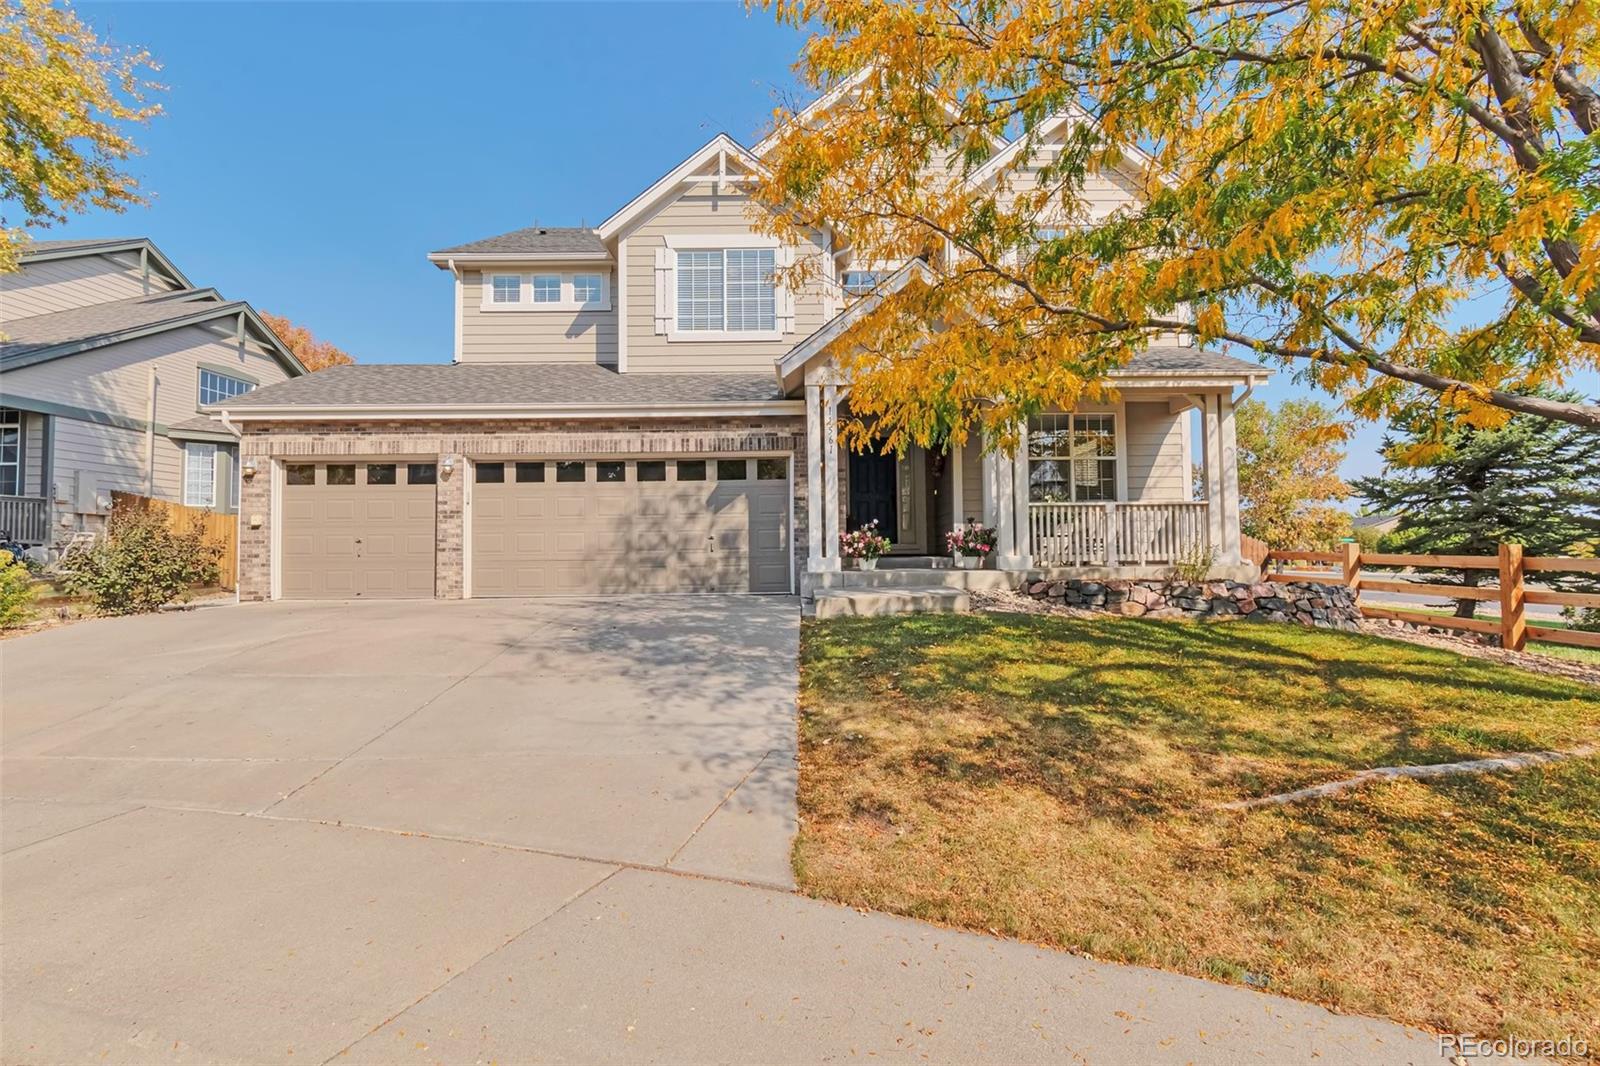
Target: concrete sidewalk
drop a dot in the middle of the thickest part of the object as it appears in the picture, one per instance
(496, 832)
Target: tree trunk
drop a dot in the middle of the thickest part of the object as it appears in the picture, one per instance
(1468, 608)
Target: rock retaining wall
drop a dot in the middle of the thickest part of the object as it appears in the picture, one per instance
(1305, 603)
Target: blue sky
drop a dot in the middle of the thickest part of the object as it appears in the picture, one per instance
(312, 154)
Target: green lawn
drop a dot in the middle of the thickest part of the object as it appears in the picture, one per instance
(1056, 780)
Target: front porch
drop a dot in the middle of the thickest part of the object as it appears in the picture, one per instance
(1105, 491)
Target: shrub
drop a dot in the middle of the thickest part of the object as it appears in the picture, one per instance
(1194, 565)
(17, 591)
(142, 564)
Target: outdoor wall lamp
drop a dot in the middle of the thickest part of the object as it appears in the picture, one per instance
(447, 467)
(247, 469)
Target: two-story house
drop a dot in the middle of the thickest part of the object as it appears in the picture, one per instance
(110, 364)
(643, 406)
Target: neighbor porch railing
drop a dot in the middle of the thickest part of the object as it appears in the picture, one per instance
(25, 518)
(1116, 534)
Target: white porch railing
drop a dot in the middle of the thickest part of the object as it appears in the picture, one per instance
(1116, 534)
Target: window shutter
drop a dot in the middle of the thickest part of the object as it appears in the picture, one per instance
(666, 285)
(782, 297)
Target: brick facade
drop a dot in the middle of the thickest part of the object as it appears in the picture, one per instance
(265, 445)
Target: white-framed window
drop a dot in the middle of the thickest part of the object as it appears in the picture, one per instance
(860, 282)
(199, 474)
(547, 288)
(10, 452)
(217, 387)
(727, 290)
(1072, 458)
(506, 288)
(588, 288)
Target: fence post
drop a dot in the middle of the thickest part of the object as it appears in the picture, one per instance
(1513, 615)
(1352, 568)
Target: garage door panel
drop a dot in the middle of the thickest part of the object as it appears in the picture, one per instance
(630, 536)
(346, 541)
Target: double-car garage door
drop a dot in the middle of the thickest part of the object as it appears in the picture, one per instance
(366, 529)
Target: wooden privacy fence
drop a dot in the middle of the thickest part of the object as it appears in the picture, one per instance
(220, 529)
(1511, 569)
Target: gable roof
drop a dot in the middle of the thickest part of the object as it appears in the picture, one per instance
(38, 339)
(1070, 115)
(719, 148)
(44, 251)
(503, 389)
(532, 242)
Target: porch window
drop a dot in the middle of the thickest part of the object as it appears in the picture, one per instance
(730, 290)
(199, 474)
(10, 452)
(1072, 458)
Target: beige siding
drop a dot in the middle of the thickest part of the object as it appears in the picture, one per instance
(699, 211)
(1158, 469)
(116, 379)
(62, 284)
(972, 481)
(533, 336)
(1103, 192)
(113, 458)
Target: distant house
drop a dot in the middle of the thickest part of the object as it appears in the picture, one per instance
(1380, 523)
(111, 363)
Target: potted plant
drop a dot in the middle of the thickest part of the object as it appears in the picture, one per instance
(971, 544)
(864, 544)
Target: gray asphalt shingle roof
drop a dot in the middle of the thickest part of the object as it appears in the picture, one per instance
(1174, 359)
(535, 241)
(503, 384)
(24, 336)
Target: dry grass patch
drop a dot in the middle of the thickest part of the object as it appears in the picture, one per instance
(1055, 780)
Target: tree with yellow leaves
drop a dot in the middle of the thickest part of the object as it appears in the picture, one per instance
(1395, 200)
(313, 354)
(65, 96)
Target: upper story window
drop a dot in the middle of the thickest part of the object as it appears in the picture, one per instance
(507, 288)
(547, 288)
(727, 290)
(861, 282)
(1072, 458)
(218, 388)
(546, 292)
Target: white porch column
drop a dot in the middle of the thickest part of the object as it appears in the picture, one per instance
(815, 491)
(830, 475)
(1230, 481)
(956, 457)
(1211, 438)
(989, 490)
(1019, 499)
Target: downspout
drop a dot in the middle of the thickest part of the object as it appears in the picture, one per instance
(150, 439)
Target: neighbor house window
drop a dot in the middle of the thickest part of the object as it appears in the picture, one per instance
(199, 475)
(1072, 458)
(588, 288)
(219, 388)
(10, 452)
(507, 288)
(730, 290)
(547, 288)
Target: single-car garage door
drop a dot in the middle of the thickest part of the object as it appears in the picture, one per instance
(358, 530)
(624, 525)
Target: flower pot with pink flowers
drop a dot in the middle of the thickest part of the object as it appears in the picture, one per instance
(864, 544)
(971, 544)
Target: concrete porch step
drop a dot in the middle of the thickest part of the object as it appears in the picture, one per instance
(876, 602)
(910, 578)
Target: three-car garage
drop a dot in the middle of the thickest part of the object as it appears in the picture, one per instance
(368, 528)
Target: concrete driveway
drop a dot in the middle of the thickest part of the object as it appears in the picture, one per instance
(510, 831)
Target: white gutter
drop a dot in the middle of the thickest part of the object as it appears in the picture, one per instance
(222, 416)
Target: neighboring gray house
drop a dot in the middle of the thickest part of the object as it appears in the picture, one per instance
(110, 362)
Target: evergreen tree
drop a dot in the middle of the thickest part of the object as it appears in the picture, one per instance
(1530, 481)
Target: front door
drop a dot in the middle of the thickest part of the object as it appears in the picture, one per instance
(873, 493)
